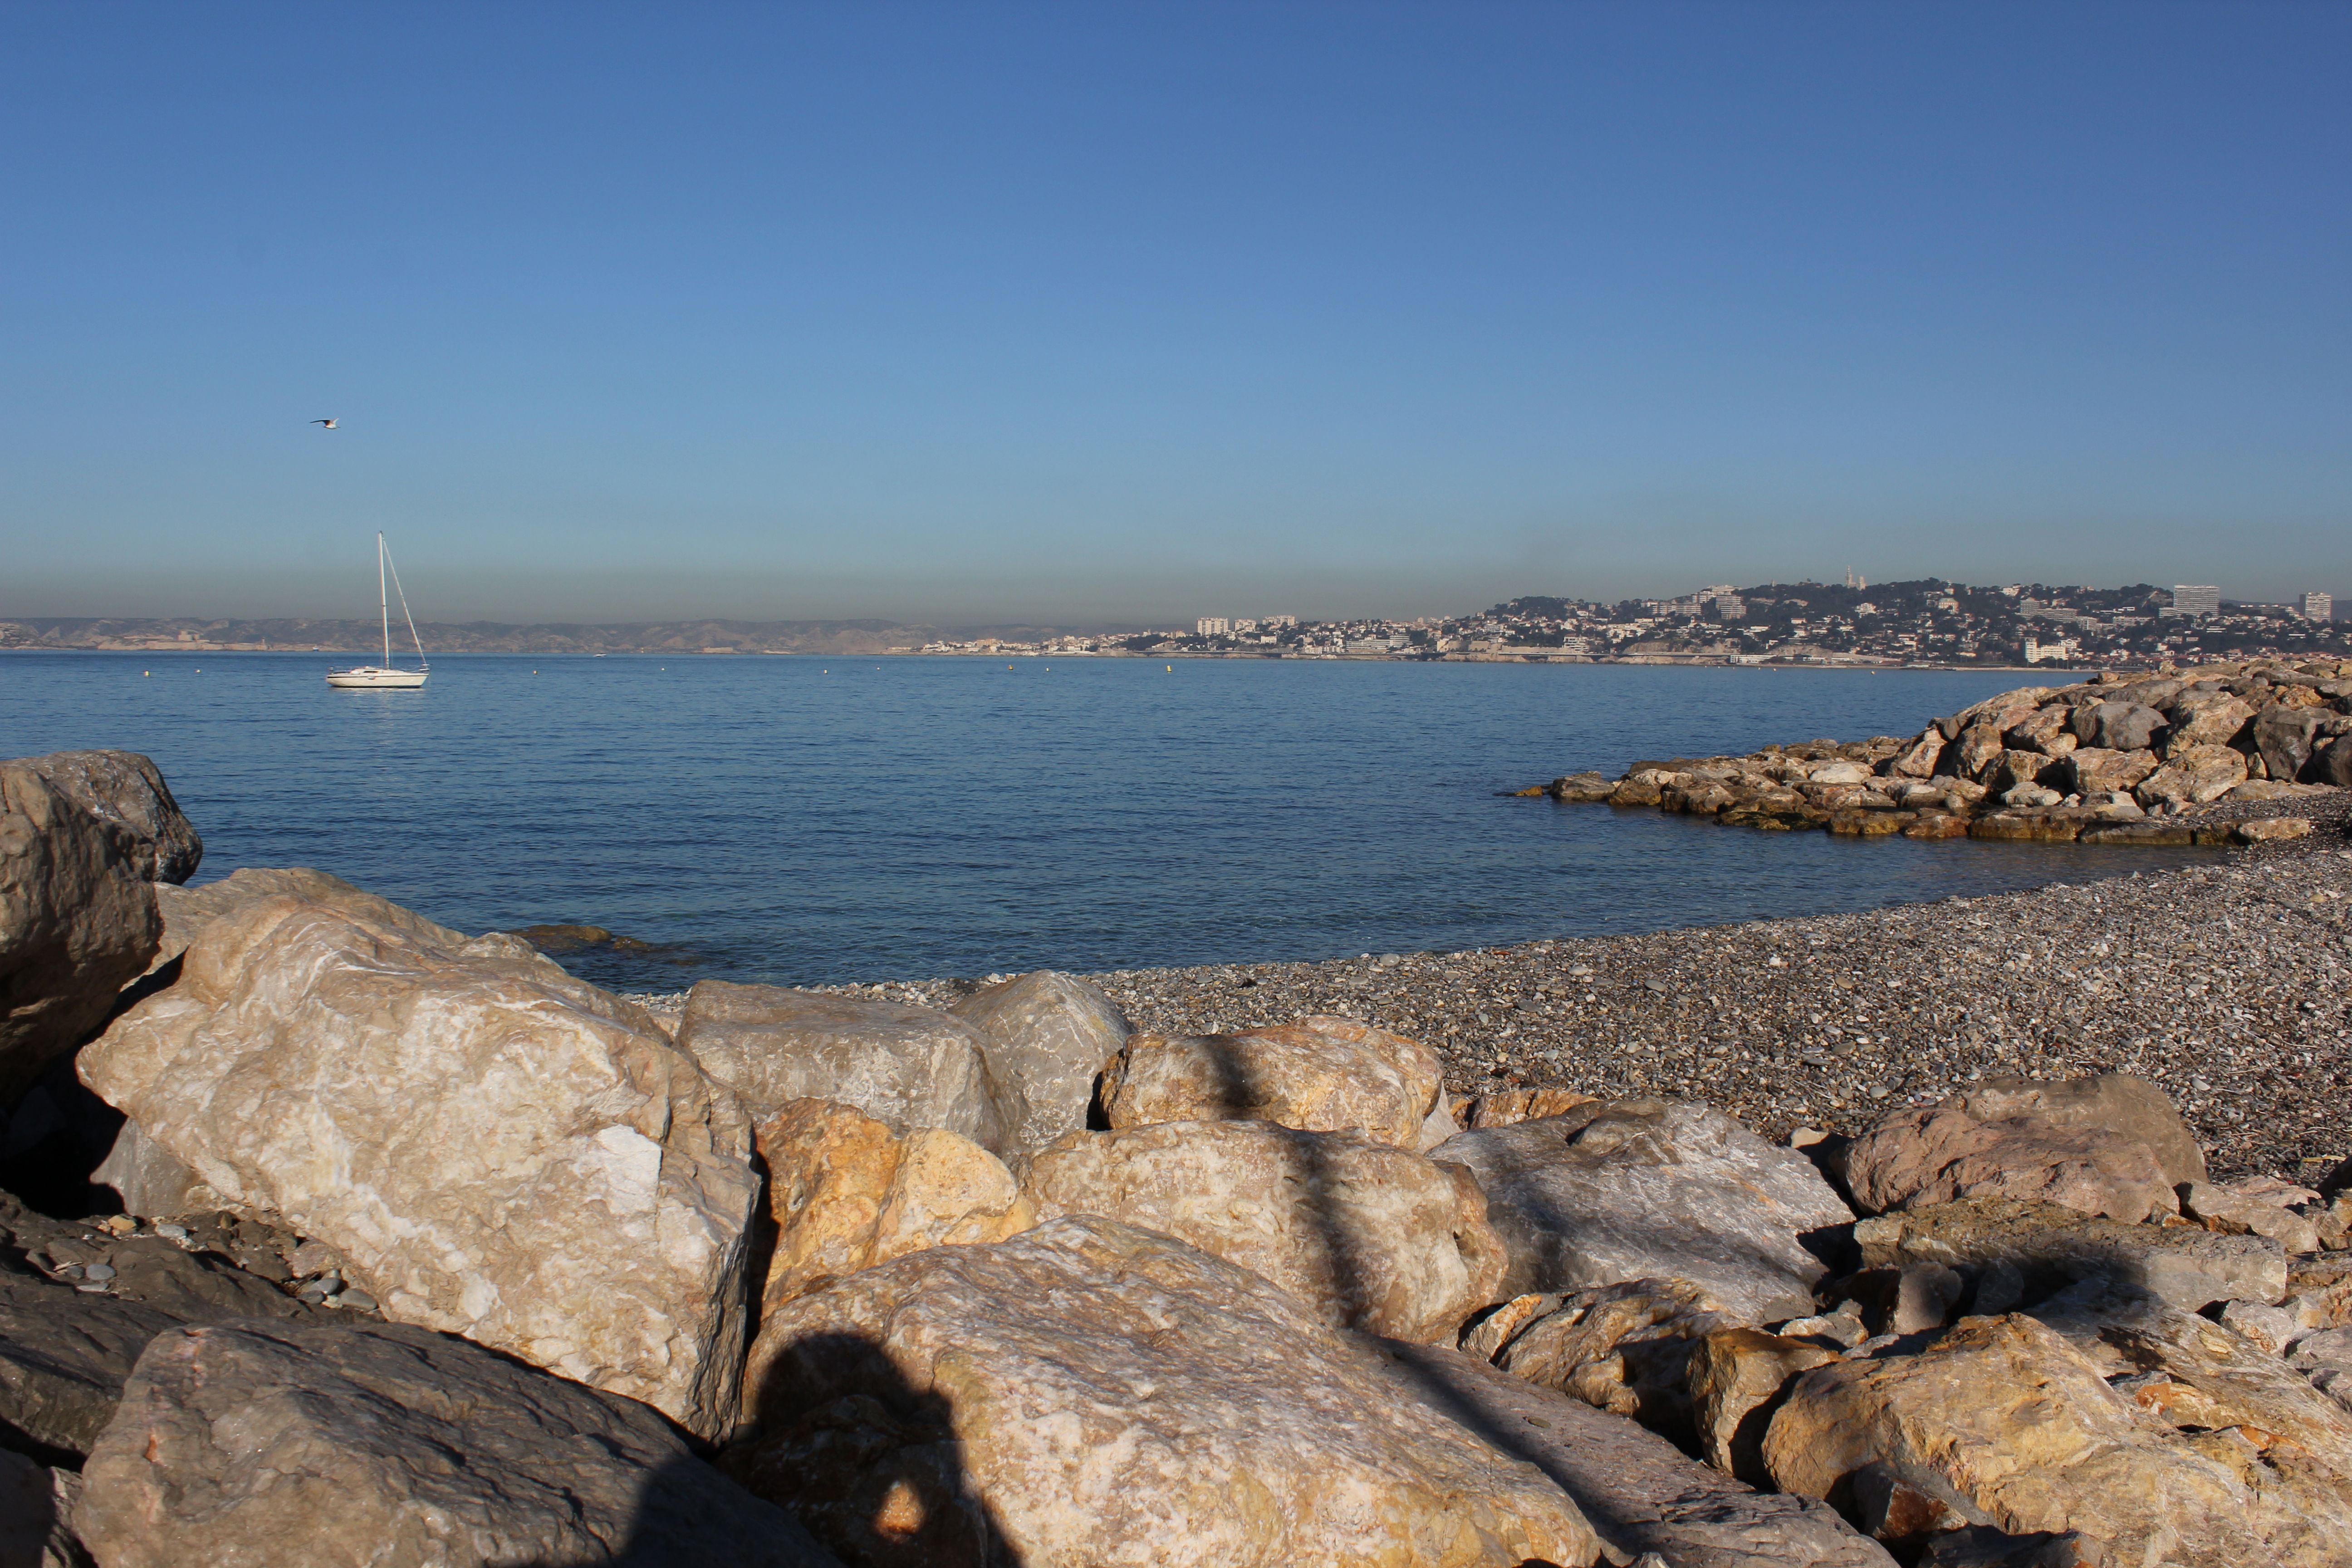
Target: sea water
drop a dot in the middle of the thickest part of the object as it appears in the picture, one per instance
(801, 820)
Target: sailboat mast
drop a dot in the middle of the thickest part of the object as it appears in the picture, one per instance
(382, 602)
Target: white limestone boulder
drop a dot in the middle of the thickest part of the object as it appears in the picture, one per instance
(1050, 1036)
(1093, 1396)
(495, 1148)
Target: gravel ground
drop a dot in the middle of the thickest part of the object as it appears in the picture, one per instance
(2229, 984)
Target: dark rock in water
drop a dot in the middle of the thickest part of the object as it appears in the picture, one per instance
(398, 1446)
(556, 940)
(128, 790)
(78, 922)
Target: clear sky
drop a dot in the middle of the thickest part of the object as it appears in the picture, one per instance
(1116, 311)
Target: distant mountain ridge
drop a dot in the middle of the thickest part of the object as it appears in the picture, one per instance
(197, 635)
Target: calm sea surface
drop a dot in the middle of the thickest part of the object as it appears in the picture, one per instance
(801, 819)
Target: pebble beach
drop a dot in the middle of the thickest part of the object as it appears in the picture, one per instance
(2226, 983)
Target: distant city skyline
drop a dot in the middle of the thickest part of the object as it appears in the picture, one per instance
(1043, 311)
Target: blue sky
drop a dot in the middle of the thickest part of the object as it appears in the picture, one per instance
(1087, 312)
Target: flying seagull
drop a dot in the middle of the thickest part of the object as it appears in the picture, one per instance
(328, 423)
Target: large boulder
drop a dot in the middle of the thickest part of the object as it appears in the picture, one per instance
(1091, 1394)
(2197, 775)
(1368, 1235)
(1050, 1036)
(253, 1444)
(186, 911)
(2282, 735)
(1918, 759)
(1637, 1189)
(2211, 717)
(1319, 1074)
(910, 1066)
(1625, 1349)
(78, 922)
(128, 790)
(846, 1192)
(1640, 1492)
(2022, 1426)
(2118, 726)
(1979, 746)
(1937, 1154)
(2092, 770)
(2053, 1247)
(2116, 1102)
(2334, 763)
(2204, 1380)
(495, 1148)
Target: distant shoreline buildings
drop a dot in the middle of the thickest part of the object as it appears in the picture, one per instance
(1927, 623)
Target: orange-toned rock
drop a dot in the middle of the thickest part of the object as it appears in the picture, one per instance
(848, 1193)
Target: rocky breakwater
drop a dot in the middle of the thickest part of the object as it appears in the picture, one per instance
(467, 1262)
(2218, 755)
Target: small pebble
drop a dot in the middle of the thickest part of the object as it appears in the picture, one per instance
(355, 1299)
(170, 1232)
(99, 1271)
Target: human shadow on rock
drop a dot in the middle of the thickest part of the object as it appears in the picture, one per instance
(868, 1464)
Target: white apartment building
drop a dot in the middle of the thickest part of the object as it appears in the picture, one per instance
(2317, 606)
(1242, 628)
(2196, 599)
(2037, 651)
(1213, 626)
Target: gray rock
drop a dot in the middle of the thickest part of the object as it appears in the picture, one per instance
(2114, 1102)
(2325, 1359)
(2053, 1247)
(64, 1353)
(128, 790)
(2118, 725)
(396, 1446)
(905, 1065)
(1987, 1546)
(1646, 1189)
(1049, 1037)
(2282, 736)
(146, 1180)
(77, 922)
(36, 1506)
(2334, 763)
(1640, 1492)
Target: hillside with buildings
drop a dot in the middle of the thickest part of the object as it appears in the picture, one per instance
(1922, 622)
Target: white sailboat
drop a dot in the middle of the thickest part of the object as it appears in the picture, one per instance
(386, 676)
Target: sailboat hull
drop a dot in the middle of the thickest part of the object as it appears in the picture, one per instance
(375, 677)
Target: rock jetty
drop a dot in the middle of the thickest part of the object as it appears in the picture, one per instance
(387, 1245)
(2170, 758)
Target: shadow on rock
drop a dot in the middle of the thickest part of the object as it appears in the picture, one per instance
(876, 1475)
